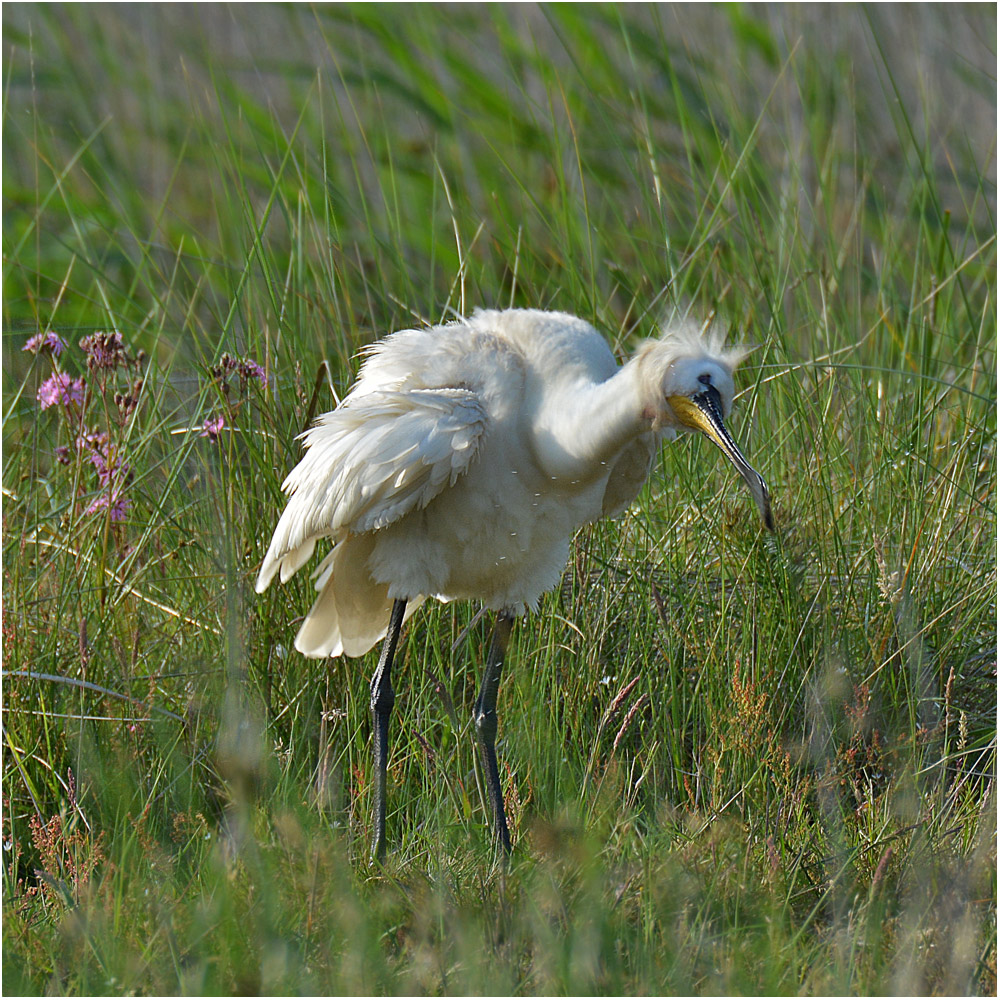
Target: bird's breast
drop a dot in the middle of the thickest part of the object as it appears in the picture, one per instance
(499, 535)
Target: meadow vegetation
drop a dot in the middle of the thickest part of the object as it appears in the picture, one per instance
(732, 762)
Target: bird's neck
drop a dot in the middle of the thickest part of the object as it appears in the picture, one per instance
(585, 426)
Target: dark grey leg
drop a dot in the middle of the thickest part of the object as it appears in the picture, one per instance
(484, 715)
(383, 698)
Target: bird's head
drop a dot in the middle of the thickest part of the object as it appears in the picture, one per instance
(689, 379)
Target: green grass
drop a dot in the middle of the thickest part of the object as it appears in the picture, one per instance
(732, 763)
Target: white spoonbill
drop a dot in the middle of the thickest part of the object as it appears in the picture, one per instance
(458, 467)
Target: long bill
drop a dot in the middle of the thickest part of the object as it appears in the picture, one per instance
(703, 412)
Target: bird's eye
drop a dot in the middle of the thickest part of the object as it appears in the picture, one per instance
(705, 379)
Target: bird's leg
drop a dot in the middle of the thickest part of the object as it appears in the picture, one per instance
(383, 698)
(484, 715)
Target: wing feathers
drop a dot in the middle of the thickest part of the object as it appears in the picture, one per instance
(374, 459)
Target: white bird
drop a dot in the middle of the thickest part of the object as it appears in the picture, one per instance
(458, 467)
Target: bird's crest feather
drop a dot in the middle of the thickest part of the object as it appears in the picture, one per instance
(691, 339)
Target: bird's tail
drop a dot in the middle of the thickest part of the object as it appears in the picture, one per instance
(352, 611)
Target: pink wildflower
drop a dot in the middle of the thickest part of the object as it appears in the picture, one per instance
(48, 341)
(246, 368)
(104, 350)
(113, 472)
(108, 470)
(60, 388)
(119, 504)
(92, 441)
(213, 426)
(249, 369)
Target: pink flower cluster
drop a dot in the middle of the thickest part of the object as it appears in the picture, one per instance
(245, 368)
(113, 472)
(49, 341)
(61, 388)
(212, 427)
(119, 505)
(105, 352)
(247, 371)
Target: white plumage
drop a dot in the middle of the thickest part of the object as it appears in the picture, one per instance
(466, 455)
